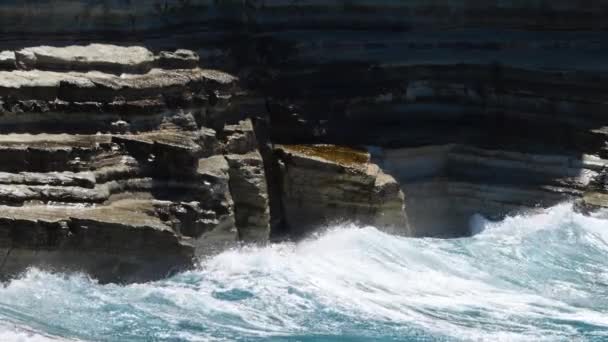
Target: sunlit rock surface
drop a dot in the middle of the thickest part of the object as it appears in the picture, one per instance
(322, 184)
(115, 173)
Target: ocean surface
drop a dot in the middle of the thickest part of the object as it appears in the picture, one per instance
(533, 277)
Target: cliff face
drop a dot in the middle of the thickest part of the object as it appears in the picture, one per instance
(469, 106)
(111, 173)
(106, 15)
(112, 166)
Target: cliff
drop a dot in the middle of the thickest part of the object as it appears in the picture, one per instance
(112, 166)
(385, 112)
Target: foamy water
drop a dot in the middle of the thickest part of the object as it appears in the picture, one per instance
(535, 277)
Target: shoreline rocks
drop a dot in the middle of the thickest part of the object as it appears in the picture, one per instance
(146, 194)
(323, 184)
(465, 108)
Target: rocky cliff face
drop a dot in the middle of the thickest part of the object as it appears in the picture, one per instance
(114, 173)
(120, 172)
(469, 106)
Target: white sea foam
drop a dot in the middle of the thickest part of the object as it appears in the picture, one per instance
(542, 276)
(12, 333)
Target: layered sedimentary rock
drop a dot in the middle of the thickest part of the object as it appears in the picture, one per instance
(130, 165)
(247, 182)
(470, 106)
(118, 174)
(322, 184)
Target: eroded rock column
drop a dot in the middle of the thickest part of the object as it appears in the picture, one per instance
(326, 184)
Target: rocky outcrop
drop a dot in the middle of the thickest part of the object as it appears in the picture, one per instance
(595, 199)
(448, 184)
(470, 107)
(124, 241)
(248, 185)
(97, 57)
(120, 174)
(592, 202)
(322, 184)
(247, 181)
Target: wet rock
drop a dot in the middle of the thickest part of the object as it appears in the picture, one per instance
(115, 243)
(592, 202)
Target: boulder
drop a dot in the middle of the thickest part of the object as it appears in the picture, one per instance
(323, 184)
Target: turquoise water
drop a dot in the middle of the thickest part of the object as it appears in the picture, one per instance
(527, 278)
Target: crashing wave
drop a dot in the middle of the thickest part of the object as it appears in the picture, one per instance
(541, 276)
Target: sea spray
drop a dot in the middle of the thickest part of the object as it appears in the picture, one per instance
(541, 276)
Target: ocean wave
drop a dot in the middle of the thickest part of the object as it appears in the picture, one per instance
(541, 276)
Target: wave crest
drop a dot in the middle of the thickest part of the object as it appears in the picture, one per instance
(528, 277)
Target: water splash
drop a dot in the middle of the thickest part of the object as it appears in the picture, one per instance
(529, 277)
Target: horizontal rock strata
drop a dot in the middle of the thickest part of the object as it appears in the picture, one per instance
(471, 107)
(123, 241)
(323, 184)
(97, 57)
(144, 186)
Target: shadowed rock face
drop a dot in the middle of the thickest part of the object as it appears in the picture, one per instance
(469, 106)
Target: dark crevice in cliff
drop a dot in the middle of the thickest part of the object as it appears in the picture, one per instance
(278, 229)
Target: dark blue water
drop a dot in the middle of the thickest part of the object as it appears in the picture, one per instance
(527, 278)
